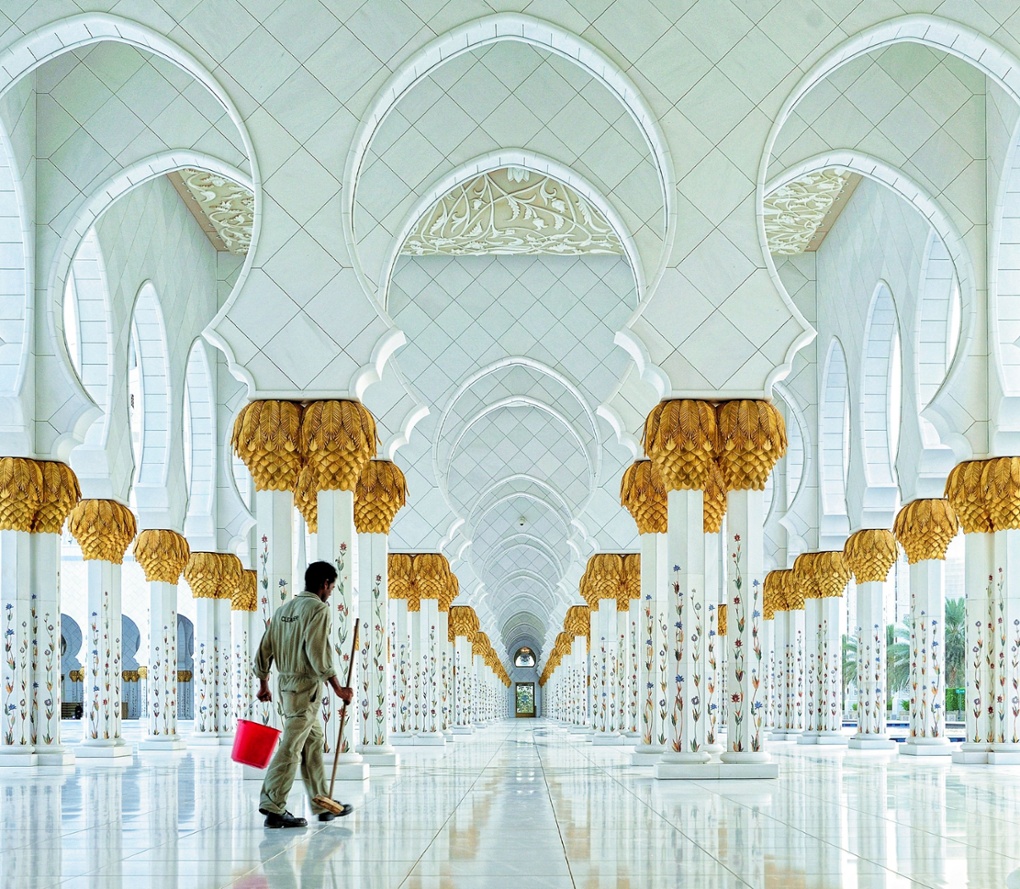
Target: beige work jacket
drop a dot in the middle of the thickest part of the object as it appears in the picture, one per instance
(298, 642)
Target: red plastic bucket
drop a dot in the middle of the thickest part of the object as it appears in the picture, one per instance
(254, 743)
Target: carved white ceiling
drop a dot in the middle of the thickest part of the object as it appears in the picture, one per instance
(223, 208)
(512, 211)
(512, 473)
(800, 213)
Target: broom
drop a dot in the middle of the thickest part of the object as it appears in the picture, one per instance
(327, 802)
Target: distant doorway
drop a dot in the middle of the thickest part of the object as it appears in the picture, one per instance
(524, 694)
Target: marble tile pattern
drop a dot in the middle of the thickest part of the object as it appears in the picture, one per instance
(522, 802)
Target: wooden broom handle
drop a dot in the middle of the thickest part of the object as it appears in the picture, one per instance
(354, 651)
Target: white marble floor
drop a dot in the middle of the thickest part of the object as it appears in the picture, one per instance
(519, 804)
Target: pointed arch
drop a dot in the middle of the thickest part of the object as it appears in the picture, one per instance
(200, 441)
(149, 345)
(878, 403)
(834, 435)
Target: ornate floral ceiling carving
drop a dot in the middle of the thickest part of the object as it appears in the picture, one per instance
(512, 210)
(225, 209)
(800, 213)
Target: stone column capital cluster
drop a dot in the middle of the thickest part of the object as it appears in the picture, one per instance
(162, 555)
(306, 447)
(213, 575)
(36, 496)
(924, 529)
(825, 574)
(103, 528)
(380, 494)
(246, 595)
(870, 554)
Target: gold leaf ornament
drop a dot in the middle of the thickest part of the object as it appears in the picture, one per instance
(721, 627)
(714, 507)
(380, 494)
(870, 554)
(306, 497)
(246, 597)
(60, 494)
(967, 492)
(681, 437)
(202, 572)
(103, 528)
(752, 437)
(267, 438)
(643, 494)
(338, 438)
(430, 575)
(162, 555)
(231, 574)
(1001, 482)
(21, 493)
(398, 581)
(924, 529)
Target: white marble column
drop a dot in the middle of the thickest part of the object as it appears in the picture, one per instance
(162, 679)
(46, 685)
(374, 690)
(872, 679)
(631, 675)
(812, 667)
(980, 572)
(745, 523)
(794, 669)
(19, 616)
(688, 692)
(429, 733)
(444, 690)
(212, 671)
(336, 541)
(462, 693)
(830, 705)
(653, 647)
(102, 719)
(403, 669)
(927, 733)
(606, 641)
(274, 532)
(1005, 749)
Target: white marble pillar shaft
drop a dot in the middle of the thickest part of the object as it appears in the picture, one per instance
(812, 670)
(830, 653)
(336, 542)
(429, 672)
(980, 571)
(689, 690)
(606, 644)
(795, 671)
(927, 735)
(745, 522)
(18, 741)
(872, 679)
(374, 688)
(274, 550)
(1005, 749)
(46, 684)
(652, 647)
(403, 670)
(161, 729)
(103, 664)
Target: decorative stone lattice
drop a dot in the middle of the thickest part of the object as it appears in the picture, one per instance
(512, 211)
(227, 208)
(794, 212)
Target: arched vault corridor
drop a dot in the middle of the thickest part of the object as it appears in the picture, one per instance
(648, 372)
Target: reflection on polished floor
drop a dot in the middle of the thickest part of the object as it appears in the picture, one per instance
(520, 804)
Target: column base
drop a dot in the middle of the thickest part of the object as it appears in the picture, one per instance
(607, 739)
(210, 739)
(429, 739)
(831, 739)
(714, 749)
(580, 730)
(402, 739)
(971, 753)
(57, 755)
(380, 758)
(352, 771)
(1004, 755)
(250, 773)
(462, 730)
(808, 737)
(871, 742)
(715, 770)
(686, 759)
(15, 757)
(162, 744)
(629, 739)
(647, 754)
(104, 750)
(926, 747)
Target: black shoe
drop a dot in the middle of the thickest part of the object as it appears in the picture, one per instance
(285, 820)
(329, 816)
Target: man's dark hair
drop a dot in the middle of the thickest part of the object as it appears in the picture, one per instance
(317, 575)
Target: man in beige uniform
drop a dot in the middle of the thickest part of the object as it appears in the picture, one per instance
(298, 641)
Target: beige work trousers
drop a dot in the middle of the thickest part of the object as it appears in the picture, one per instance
(302, 743)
